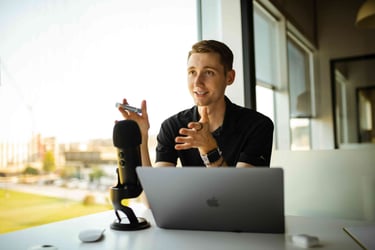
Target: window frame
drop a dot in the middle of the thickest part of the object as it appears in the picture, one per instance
(284, 31)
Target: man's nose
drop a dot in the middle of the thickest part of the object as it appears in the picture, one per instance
(199, 79)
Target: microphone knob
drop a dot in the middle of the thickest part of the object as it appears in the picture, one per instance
(121, 156)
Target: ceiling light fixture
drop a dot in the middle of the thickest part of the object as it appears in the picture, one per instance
(366, 15)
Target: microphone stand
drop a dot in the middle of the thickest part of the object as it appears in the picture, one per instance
(118, 193)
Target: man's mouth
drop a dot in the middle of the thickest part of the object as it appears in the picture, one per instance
(200, 93)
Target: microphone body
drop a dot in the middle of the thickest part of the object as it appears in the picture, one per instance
(127, 139)
(127, 160)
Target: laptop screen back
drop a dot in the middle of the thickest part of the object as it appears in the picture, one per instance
(216, 199)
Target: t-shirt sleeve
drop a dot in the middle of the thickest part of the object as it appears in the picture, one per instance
(165, 144)
(258, 147)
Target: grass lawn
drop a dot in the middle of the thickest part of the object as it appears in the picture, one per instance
(22, 210)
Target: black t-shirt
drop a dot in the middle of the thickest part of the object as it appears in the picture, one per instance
(245, 136)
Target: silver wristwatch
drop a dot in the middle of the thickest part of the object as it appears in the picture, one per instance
(212, 156)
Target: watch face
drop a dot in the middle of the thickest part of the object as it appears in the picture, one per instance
(214, 155)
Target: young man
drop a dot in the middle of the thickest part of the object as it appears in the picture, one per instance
(215, 132)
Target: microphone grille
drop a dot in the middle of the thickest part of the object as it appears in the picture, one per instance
(126, 133)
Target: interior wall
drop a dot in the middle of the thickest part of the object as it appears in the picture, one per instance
(302, 14)
(329, 183)
(329, 25)
(338, 37)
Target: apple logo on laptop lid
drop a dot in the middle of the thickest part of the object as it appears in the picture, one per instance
(213, 202)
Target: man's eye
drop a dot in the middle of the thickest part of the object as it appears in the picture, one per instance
(191, 72)
(209, 73)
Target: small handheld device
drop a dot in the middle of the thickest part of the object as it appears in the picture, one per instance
(128, 107)
(304, 240)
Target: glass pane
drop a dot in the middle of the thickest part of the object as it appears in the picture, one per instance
(355, 100)
(265, 101)
(265, 47)
(300, 133)
(342, 112)
(366, 104)
(299, 81)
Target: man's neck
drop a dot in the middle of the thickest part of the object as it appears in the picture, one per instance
(216, 115)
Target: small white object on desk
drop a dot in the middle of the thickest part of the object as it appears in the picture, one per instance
(304, 240)
(91, 235)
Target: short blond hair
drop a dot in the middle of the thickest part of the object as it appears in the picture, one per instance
(213, 46)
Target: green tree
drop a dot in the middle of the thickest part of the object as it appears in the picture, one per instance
(31, 171)
(49, 162)
(68, 172)
(96, 174)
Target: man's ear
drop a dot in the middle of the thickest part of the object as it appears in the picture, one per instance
(231, 74)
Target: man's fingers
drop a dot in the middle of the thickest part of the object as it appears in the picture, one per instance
(195, 126)
(144, 107)
(204, 115)
(182, 146)
(183, 142)
(187, 131)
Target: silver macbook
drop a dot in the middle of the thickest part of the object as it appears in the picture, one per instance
(216, 199)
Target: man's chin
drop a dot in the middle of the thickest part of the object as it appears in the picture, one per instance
(200, 102)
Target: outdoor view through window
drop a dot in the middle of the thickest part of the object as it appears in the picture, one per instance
(63, 66)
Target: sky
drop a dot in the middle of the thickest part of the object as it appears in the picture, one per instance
(65, 63)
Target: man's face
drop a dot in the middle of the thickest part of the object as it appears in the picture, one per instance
(206, 78)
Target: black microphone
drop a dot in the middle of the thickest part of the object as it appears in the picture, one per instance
(127, 139)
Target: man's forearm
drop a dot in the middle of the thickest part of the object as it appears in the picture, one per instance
(145, 155)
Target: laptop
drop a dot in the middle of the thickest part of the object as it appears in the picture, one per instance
(362, 235)
(215, 199)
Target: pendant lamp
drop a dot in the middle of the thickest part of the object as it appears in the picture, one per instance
(366, 15)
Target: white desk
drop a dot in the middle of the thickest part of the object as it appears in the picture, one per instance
(64, 235)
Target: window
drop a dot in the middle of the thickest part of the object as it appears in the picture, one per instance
(265, 30)
(300, 134)
(342, 113)
(64, 65)
(266, 63)
(284, 82)
(265, 60)
(300, 94)
(265, 101)
(299, 81)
